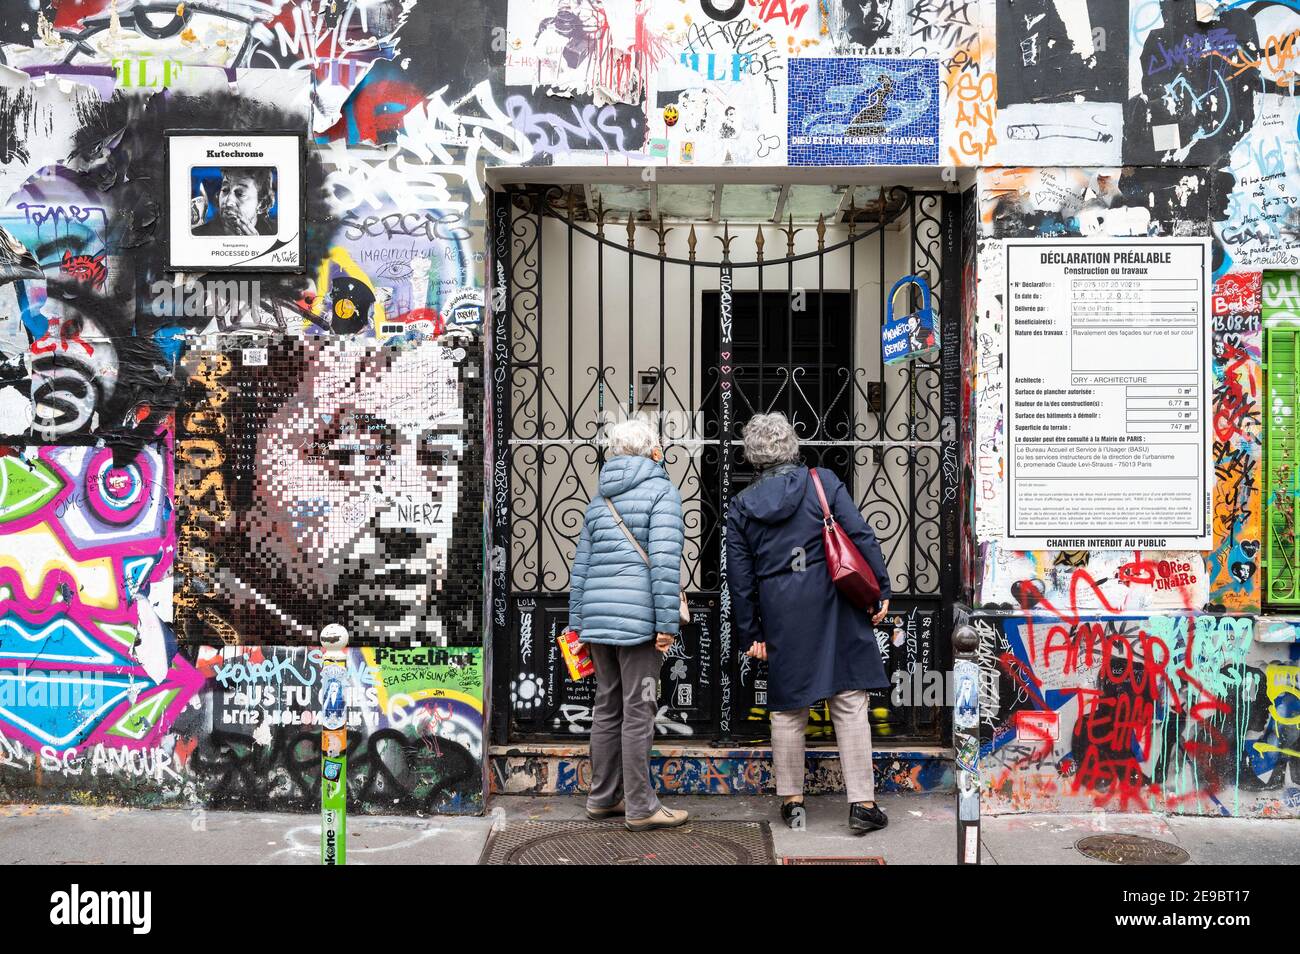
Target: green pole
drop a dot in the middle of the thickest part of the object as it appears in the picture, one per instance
(334, 746)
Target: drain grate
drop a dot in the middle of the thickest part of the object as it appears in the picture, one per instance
(1131, 850)
(831, 860)
(610, 843)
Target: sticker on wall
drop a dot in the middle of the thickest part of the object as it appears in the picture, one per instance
(876, 27)
(863, 111)
(352, 304)
(1033, 725)
(911, 334)
(670, 115)
(1067, 134)
(966, 694)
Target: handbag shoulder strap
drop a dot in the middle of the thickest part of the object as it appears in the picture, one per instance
(626, 532)
(821, 494)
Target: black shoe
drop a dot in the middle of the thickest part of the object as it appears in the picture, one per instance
(794, 814)
(862, 818)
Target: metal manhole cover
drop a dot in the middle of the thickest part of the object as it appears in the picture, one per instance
(610, 843)
(830, 860)
(1131, 850)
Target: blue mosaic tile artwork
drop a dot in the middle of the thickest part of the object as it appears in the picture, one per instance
(859, 111)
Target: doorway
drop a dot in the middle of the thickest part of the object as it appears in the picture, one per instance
(606, 312)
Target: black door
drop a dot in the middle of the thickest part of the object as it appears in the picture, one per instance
(796, 360)
(792, 354)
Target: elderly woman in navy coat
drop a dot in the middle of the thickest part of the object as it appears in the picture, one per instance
(787, 611)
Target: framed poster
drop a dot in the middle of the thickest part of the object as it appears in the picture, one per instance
(1108, 394)
(234, 201)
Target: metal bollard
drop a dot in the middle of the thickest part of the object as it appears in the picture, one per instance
(334, 746)
(966, 742)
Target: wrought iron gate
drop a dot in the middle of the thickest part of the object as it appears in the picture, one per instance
(595, 320)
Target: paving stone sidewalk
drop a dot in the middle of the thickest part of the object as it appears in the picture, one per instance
(922, 830)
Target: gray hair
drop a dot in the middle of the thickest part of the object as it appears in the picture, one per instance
(769, 440)
(633, 437)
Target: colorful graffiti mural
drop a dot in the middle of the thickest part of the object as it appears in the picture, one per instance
(241, 731)
(1174, 713)
(1238, 444)
(676, 771)
(89, 669)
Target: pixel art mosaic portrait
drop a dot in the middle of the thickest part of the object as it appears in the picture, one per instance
(863, 111)
(324, 481)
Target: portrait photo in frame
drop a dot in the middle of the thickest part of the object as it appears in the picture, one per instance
(234, 200)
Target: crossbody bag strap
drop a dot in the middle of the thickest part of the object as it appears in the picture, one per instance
(821, 495)
(626, 532)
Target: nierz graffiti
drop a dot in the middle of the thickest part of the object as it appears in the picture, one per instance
(323, 477)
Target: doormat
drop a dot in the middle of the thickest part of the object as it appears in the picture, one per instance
(832, 860)
(1131, 850)
(610, 843)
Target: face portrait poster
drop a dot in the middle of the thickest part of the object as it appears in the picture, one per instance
(869, 27)
(867, 110)
(338, 484)
(234, 201)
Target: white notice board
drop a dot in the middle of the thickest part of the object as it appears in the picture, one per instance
(1108, 394)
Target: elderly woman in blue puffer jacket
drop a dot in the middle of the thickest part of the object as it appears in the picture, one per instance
(624, 603)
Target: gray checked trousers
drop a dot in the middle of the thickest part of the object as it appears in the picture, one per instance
(849, 712)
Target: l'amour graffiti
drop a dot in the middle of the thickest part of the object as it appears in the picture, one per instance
(1181, 713)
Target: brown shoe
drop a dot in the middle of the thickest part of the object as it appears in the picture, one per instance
(664, 818)
(613, 811)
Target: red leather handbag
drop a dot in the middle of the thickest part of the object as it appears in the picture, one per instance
(849, 569)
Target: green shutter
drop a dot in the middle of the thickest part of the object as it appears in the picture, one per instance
(1281, 557)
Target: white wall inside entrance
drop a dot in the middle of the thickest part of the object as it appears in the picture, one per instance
(576, 333)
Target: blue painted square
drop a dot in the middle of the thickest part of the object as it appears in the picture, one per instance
(861, 111)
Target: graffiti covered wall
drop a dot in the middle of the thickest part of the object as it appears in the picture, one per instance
(202, 463)
(201, 470)
(1149, 680)
(1187, 714)
(237, 728)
